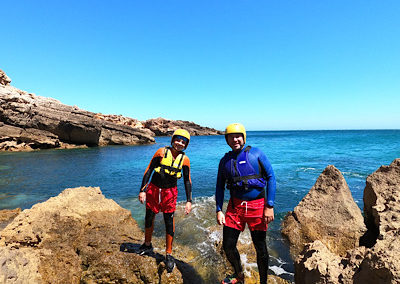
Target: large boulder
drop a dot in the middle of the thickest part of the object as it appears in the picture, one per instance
(377, 260)
(327, 213)
(80, 237)
(165, 127)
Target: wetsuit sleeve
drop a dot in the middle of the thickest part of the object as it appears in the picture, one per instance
(154, 163)
(220, 188)
(269, 176)
(186, 179)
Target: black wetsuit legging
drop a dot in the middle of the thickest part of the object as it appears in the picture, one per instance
(230, 238)
(168, 220)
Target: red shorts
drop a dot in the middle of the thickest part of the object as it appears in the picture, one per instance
(161, 199)
(250, 212)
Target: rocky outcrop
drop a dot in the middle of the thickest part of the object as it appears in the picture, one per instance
(123, 120)
(165, 127)
(4, 79)
(29, 122)
(376, 259)
(327, 213)
(81, 237)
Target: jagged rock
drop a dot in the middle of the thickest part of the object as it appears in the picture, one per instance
(327, 213)
(377, 263)
(4, 79)
(57, 124)
(319, 265)
(79, 237)
(165, 127)
(123, 120)
(382, 200)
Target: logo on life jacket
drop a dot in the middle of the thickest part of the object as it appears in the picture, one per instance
(169, 165)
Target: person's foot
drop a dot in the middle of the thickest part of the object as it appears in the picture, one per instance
(169, 263)
(233, 279)
(144, 249)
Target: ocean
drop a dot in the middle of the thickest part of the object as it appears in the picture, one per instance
(297, 157)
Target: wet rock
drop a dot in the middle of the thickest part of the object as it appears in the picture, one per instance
(248, 258)
(165, 127)
(327, 213)
(80, 237)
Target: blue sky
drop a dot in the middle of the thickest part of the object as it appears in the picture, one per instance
(272, 65)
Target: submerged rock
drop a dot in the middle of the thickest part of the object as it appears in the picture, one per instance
(81, 237)
(376, 260)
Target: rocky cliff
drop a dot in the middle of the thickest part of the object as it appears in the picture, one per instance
(330, 241)
(29, 122)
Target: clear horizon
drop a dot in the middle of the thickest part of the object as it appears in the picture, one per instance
(273, 66)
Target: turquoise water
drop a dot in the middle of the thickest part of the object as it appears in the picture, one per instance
(298, 158)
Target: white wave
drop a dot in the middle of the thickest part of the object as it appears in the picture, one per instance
(279, 270)
(307, 169)
(356, 175)
(247, 266)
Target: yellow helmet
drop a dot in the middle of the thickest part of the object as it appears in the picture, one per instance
(183, 133)
(236, 128)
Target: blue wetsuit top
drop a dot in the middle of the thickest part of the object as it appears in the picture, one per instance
(260, 164)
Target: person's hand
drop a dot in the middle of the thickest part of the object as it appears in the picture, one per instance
(188, 207)
(268, 214)
(220, 218)
(142, 197)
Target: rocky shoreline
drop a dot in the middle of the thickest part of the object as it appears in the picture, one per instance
(80, 236)
(30, 122)
(332, 242)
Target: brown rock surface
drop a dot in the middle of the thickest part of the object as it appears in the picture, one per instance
(4, 79)
(6, 216)
(165, 127)
(80, 237)
(38, 122)
(377, 263)
(29, 122)
(327, 213)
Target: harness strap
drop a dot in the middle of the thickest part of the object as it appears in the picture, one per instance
(245, 178)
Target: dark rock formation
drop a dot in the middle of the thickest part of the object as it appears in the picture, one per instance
(165, 127)
(379, 261)
(327, 213)
(81, 237)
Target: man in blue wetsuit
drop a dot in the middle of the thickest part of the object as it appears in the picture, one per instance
(249, 176)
